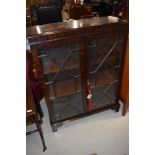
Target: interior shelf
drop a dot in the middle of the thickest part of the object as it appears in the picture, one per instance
(53, 58)
(69, 87)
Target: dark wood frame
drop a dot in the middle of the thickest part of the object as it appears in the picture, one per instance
(66, 33)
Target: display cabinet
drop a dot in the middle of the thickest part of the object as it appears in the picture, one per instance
(79, 64)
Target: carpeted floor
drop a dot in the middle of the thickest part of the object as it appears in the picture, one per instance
(105, 133)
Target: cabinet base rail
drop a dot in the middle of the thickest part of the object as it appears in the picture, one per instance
(56, 124)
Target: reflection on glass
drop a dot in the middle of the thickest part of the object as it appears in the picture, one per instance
(75, 24)
(79, 1)
(81, 24)
(38, 29)
(112, 19)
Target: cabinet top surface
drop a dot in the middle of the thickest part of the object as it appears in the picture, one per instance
(59, 27)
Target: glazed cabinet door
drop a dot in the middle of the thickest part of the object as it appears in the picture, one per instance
(105, 53)
(60, 67)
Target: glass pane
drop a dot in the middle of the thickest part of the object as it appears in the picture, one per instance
(105, 59)
(61, 69)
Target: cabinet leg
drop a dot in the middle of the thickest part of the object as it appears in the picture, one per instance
(51, 122)
(116, 107)
(55, 126)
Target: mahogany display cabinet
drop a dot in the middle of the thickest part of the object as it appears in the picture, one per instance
(79, 64)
